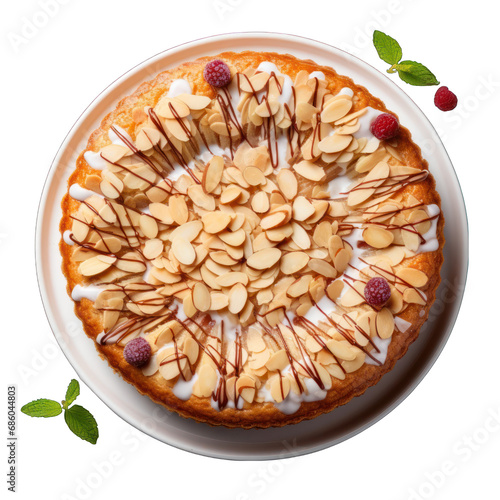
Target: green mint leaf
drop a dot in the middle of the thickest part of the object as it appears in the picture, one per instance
(42, 408)
(72, 393)
(82, 423)
(388, 49)
(415, 73)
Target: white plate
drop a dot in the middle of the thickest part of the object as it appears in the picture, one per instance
(239, 444)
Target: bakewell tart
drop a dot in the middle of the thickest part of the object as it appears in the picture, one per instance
(251, 240)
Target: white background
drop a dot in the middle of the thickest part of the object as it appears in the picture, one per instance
(442, 442)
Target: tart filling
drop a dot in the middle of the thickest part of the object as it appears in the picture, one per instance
(235, 230)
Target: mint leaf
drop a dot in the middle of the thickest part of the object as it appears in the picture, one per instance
(42, 408)
(72, 393)
(415, 73)
(388, 49)
(82, 423)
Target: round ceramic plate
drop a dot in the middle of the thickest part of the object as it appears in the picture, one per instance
(257, 444)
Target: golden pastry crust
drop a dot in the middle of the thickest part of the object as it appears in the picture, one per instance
(260, 415)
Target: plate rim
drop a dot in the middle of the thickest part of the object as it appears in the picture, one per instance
(271, 37)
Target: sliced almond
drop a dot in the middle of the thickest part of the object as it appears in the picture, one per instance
(183, 250)
(201, 297)
(215, 222)
(293, 262)
(238, 296)
(264, 259)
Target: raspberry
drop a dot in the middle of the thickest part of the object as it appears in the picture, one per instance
(137, 352)
(217, 73)
(377, 292)
(385, 127)
(445, 99)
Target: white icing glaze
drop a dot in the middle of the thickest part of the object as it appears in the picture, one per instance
(178, 87)
(338, 186)
(346, 91)
(95, 160)
(292, 402)
(79, 193)
(401, 324)
(286, 91)
(431, 242)
(85, 292)
(314, 315)
(317, 74)
(383, 346)
(183, 389)
(67, 239)
(113, 137)
(365, 121)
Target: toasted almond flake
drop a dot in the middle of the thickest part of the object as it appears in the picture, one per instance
(411, 296)
(245, 387)
(264, 259)
(188, 306)
(200, 198)
(178, 209)
(230, 194)
(201, 297)
(335, 110)
(411, 239)
(212, 174)
(194, 101)
(171, 108)
(260, 202)
(341, 260)
(273, 220)
(413, 277)
(218, 301)
(183, 250)
(153, 248)
(280, 388)
(79, 230)
(230, 279)
(310, 171)
(148, 226)
(353, 297)
(287, 183)
(189, 231)
(207, 380)
(235, 239)
(385, 323)
(278, 361)
(293, 262)
(169, 365)
(322, 233)
(299, 287)
(215, 222)
(254, 176)
(95, 265)
(378, 237)
(366, 163)
(334, 289)
(334, 143)
(223, 258)
(300, 236)
(191, 349)
(302, 208)
(238, 296)
(342, 349)
(323, 268)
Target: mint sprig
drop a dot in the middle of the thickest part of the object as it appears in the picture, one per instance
(42, 408)
(411, 72)
(82, 423)
(79, 420)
